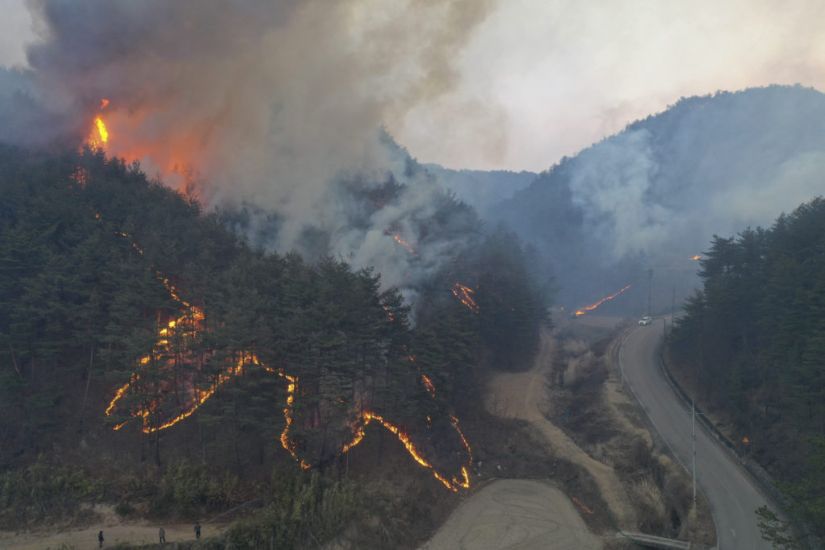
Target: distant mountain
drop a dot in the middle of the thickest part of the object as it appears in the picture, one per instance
(652, 195)
(481, 189)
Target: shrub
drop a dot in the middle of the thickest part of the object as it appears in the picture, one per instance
(305, 509)
(42, 491)
(188, 490)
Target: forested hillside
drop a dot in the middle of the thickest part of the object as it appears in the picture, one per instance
(754, 341)
(138, 331)
(481, 189)
(652, 195)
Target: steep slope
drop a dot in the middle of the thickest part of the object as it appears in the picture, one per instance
(653, 195)
(479, 188)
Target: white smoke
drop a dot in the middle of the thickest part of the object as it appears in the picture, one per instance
(663, 187)
(653, 196)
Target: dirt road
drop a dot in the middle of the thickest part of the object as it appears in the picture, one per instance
(521, 395)
(114, 531)
(515, 514)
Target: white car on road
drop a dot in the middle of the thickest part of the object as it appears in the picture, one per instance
(646, 320)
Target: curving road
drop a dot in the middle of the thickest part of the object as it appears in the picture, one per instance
(732, 494)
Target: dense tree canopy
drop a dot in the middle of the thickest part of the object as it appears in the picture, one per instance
(109, 280)
(754, 337)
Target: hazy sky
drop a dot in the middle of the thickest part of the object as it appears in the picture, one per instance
(545, 78)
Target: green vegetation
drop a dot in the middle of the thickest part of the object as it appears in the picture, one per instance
(190, 491)
(754, 340)
(42, 491)
(90, 251)
(303, 509)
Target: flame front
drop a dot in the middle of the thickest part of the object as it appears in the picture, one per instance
(696, 257)
(462, 481)
(291, 389)
(164, 356)
(595, 305)
(465, 296)
(428, 384)
(184, 328)
(404, 244)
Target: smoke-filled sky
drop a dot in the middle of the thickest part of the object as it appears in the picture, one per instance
(538, 79)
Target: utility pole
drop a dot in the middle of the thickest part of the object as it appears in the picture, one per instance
(673, 304)
(673, 309)
(693, 437)
(649, 290)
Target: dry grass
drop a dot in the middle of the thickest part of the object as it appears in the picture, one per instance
(587, 401)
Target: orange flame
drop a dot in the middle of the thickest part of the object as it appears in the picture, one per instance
(102, 131)
(99, 135)
(291, 389)
(428, 384)
(192, 321)
(184, 328)
(453, 484)
(465, 296)
(595, 305)
(696, 258)
(404, 244)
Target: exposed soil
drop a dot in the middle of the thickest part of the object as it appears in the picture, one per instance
(516, 514)
(524, 396)
(590, 404)
(115, 531)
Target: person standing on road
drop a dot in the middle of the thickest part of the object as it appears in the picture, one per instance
(162, 535)
(100, 539)
(197, 530)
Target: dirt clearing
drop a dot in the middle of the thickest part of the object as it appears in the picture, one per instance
(115, 531)
(515, 514)
(523, 396)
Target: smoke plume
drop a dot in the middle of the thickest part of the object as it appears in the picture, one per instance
(257, 102)
(652, 196)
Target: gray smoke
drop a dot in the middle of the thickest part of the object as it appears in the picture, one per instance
(653, 195)
(711, 165)
(260, 102)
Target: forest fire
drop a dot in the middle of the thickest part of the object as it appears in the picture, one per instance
(165, 356)
(696, 257)
(403, 243)
(428, 384)
(291, 389)
(465, 294)
(160, 372)
(453, 484)
(172, 348)
(99, 136)
(596, 305)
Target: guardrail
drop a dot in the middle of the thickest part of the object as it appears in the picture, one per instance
(763, 479)
(652, 541)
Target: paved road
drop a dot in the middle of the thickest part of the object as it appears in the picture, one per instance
(733, 496)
